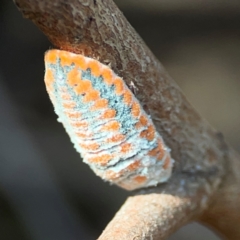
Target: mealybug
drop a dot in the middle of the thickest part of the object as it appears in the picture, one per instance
(105, 121)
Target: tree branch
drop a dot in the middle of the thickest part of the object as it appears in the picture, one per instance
(205, 167)
(156, 213)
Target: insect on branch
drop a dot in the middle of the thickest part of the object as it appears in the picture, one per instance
(205, 167)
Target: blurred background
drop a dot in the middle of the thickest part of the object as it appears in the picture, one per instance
(46, 192)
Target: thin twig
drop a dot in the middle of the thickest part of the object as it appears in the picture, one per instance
(204, 166)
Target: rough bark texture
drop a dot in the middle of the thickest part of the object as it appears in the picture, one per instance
(223, 213)
(205, 167)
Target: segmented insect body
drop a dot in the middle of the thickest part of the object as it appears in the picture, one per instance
(105, 121)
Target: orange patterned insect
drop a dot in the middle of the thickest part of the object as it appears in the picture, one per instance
(105, 121)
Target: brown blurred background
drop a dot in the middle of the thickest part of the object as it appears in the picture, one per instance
(46, 192)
